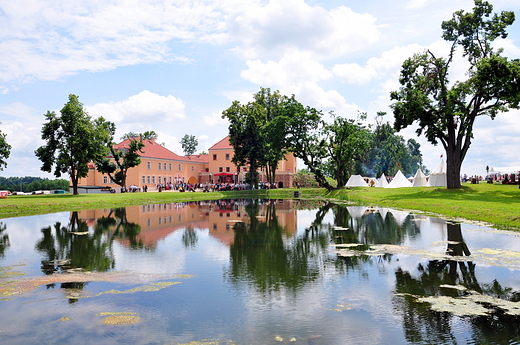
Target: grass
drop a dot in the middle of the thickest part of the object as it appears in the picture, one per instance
(498, 205)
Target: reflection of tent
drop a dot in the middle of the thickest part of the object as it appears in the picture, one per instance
(356, 211)
(400, 216)
(356, 181)
(382, 181)
(419, 179)
(399, 181)
(438, 176)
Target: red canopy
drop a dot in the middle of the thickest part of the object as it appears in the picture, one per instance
(224, 174)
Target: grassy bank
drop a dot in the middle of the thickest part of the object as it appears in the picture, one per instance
(495, 204)
(26, 205)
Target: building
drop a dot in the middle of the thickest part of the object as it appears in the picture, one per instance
(162, 166)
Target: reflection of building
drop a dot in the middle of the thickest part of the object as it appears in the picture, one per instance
(160, 220)
(160, 166)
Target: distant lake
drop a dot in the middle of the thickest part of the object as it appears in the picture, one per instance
(256, 272)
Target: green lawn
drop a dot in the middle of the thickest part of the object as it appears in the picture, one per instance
(495, 204)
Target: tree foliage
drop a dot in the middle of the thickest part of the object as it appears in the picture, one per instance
(389, 152)
(116, 166)
(31, 184)
(446, 111)
(5, 150)
(149, 135)
(130, 135)
(257, 132)
(73, 140)
(189, 144)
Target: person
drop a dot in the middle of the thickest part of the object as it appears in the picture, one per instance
(145, 188)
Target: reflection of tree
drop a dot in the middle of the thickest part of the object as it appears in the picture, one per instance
(260, 254)
(63, 249)
(189, 237)
(116, 225)
(422, 325)
(4, 240)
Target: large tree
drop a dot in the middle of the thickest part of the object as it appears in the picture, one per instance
(258, 130)
(446, 112)
(189, 144)
(116, 165)
(73, 140)
(5, 150)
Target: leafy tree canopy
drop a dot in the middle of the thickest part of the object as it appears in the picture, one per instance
(73, 140)
(5, 150)
(189, 144)
(446, 111)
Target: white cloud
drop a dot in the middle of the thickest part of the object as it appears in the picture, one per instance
(215, 119)
(47, 40)
(293, 68)
(287, 25)
(143, 108)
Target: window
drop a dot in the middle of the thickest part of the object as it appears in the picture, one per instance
(143, 179)
(180, 168)
(148, 165)
(220, 169)
(164, 166)
(170, 166)
(159, 180)
(153, 179)
(227, 169)
(105, 179)
(214, 157)
(159, 165)
(192, 168)
(147, 179)
(227, 156)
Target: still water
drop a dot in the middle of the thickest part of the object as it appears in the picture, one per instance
(256, 272)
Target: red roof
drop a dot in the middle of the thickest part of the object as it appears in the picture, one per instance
(223, 144)
(155, 150)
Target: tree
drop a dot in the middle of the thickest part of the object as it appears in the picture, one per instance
(73, 140)
(189, 144)
(5, 150)
(390, 152)
(124, 158)
(258, 130)
(446, 112)
(149, 135)
(130, 135)
(346, 142)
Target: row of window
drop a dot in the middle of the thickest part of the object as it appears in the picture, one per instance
(215, 156)
(164, 166)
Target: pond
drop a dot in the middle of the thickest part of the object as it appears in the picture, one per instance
(256, 272)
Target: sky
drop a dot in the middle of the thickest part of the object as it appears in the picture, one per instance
(174, 66)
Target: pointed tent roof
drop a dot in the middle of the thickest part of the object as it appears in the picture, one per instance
(356, 181)
(382, 183)
(399, 181)
(419, 179)
(438, 176)
(356, 211)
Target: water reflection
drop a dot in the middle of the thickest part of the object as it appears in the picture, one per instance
(265, 270)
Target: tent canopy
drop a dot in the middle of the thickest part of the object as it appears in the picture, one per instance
(438, 177)
(399, 181)
(419, 179)
(382, 183)
(513, 169)
(356, 181)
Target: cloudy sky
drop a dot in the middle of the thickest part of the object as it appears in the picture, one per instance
(174, 66)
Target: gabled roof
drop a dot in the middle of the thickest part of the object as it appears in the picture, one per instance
(221, 145)
(152, 149)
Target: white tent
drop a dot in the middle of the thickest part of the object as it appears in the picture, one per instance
(419, 179)
(399, 181)
(438, 176)
(505, 170)
(356, 181)
(382, 181)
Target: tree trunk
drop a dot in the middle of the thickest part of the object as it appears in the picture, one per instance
(453, 165)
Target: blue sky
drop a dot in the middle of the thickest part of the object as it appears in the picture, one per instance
(174, 66)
